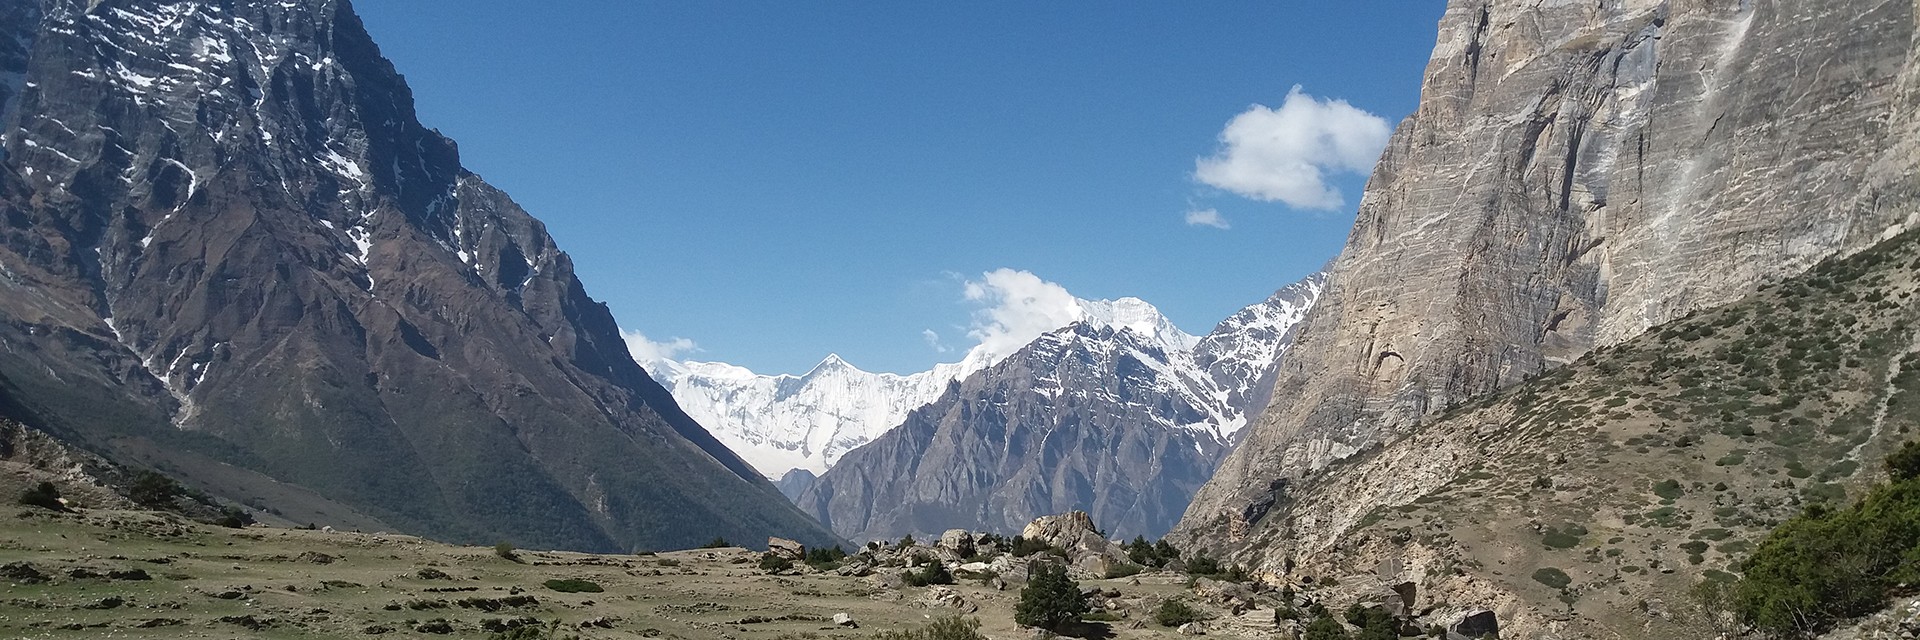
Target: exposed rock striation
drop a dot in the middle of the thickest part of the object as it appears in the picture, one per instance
(227, 246)
(1577, 173)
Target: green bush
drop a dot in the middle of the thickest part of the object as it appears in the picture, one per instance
(1669, 489)
(43, 495)
(573, 585)
(826, 559)
(1552, 577)
(506, 552)
(946, 627)
(1051, 600)
(1905, 463)
(1123, 569)
(716, 543)
(154, 490)
(771, 563)
(1326, 628)
(1155, 555)
(1023, 547)
(1175, 612)
(1374, 623)
(1825, 565)
(931, 573)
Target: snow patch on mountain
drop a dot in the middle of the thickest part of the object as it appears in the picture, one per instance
(779, 423)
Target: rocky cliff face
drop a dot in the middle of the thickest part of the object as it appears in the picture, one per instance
(228, 248)
(1123, 422)
(1576, 173)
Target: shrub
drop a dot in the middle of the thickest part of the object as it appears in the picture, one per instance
(1123, 569)
(826, 559)
(505, 551)
(1905, 463)
(716, 543)
(1669, 489)
(1552, 577)
(573, 585)
(1051, 600)
(946, 627)
(933, 572)
(1155, 555)
(154, 490)
(1823, 565)
(1023, 547)
(1374, 623)
(1175, 612)
(43, 495)
(907, 541)
(1325, 628)
(771, 563)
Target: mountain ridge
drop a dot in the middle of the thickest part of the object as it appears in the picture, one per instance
(233, 252)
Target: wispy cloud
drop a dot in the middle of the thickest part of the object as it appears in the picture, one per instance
(647, 351)
(1016, 307)
(1207, 218)
(933, 341)
(1286, 154)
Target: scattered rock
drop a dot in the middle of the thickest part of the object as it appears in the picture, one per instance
(109, 602)
(1476, 624)
(128, 574)
(785, 548)
(1192, 629)
(154, 623)
(22, 573)
(315, 557)
(248, 621)
(958, 541)
(377, 630)
(948, 598)
(845, 620)
(601, 622)
(431, 573)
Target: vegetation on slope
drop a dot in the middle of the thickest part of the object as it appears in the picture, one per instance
(1611, 485)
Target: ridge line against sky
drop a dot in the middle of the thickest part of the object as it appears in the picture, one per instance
(765, 183)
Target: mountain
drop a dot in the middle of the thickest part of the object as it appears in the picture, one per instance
(1123, 422)
(1590, 501)
(1575, 174)
(781, 423)
(230, 250)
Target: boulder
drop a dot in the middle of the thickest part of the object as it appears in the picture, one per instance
(948, 598)
(958, 541)
(845, 620)
(785, 548)
(1067, 531)
(1476, 624)
(1193, 629)
(973, 569)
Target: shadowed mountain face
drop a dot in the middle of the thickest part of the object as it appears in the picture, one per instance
(228, 248)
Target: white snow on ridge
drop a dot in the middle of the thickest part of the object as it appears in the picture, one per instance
(778, 423)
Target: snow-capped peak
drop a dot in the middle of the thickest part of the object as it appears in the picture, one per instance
(779, 423)
(1139, 317)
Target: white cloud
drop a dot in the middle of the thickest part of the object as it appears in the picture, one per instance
(1286, 154)
(1017, 307)
(648, 351)
(933, 341)
(1208, 218)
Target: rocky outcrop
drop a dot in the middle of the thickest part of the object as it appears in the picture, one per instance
(1576, 173)
(228, 247)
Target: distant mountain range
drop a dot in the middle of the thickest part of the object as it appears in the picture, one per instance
(1124, 420)
(786, 423)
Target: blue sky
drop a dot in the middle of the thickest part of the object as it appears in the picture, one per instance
(774, 181)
